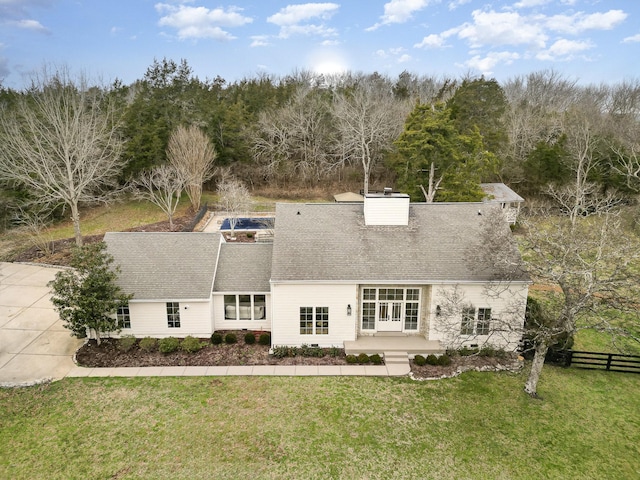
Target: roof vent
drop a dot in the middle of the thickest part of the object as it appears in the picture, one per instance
(388, 190)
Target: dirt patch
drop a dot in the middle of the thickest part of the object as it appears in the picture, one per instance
(107, 354)
(460, 364)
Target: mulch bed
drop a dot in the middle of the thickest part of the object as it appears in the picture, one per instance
(460, 364)
(107, 354)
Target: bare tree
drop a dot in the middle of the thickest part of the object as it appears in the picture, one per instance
(234, 199)
(161, 186)
(34, 223)
(60, 143)
(369, 119)
(191, 153)
(590, 266)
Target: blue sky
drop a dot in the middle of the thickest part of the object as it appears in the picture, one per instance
(590, 40)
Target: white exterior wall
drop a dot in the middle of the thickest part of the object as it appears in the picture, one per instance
(507, 303)
(386, 210)
(149, 319)
(287, 300)
(220, 323)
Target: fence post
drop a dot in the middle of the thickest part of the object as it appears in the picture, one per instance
(609, 358)
(568, 358)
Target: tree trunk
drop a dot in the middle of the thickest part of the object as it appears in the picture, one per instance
(75, 218)
(531, 387)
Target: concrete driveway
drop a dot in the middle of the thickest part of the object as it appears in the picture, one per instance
(34, 346)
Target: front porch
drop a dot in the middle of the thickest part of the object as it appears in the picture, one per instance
(381, 343)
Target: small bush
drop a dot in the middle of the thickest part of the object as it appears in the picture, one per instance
(230, 338)
(249, 338)
(265, 339)
(249, 234)
(419, 360)
(126, 343)
(309, 351)
(282, 351)
(466, 351)
(216, 338)
(334, 351)
(444, 360)
(363, 358)
(487, 351)
(431, 360)
(169, 345)
(148, 344)
(190, 345)
(376, 359)
(351, 359)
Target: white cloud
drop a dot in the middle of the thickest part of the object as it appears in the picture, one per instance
(293, 19)
(486, 64)
(201, 22)
(580, 22)
(432, 41)
(404, 58)
(15, 9)
(564, 49)
(260, 41)
(632, 39)
(502, 28)
(399, 11)
(530, 3)
(330, 43)
(457, 3)
(294, 14)
(32, 25)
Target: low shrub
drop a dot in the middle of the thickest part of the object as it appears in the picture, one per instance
(419, 360)
(309, 351)
(351, 359)
(376, 359)
(249, 338)
(148, 344)
(265, 339)
(168, 345)
(431, 360)
(126, 343)
(444, 360)
(190, 345)
(282, 351)
(334, 351)
(487, 351)
(466, 351)
(363, 358)
(249, 234)
(230, 338)
(216, 338)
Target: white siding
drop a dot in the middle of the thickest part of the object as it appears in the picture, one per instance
(149, 319)
(386, 210)
(287, 300)
(220, 323)
(507, 303)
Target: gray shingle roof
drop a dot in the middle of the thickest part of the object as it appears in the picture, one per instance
(165, 266)
(244, 267)
(330, 242)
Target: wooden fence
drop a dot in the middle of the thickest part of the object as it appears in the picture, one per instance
(602, 361)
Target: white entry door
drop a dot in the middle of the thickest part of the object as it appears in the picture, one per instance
(390, 317)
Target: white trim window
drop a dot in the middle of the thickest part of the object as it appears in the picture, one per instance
(245, 307)
(310, 327)
(173, 314)
(472, 325)
(401, 304)
(123, 316)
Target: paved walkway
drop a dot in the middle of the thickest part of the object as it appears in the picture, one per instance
(257, 370)
(34, 345)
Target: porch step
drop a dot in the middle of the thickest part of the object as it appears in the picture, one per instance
(397, 363)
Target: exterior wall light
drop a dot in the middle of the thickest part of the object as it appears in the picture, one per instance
(438, 310)
(349, 310)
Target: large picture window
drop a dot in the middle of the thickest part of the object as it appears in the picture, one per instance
(245, 307)
(399, 306)
(173, 314)
(314, 320)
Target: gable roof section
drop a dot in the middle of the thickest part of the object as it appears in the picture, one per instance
(244, 267)
(499, 192)
(330, 242)
(165, 266)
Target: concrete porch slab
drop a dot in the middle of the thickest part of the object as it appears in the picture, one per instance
(412, 344)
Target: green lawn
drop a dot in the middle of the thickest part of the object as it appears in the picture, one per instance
(479, 425)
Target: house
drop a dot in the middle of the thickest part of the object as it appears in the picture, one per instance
(353, 275)
(502, 195)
